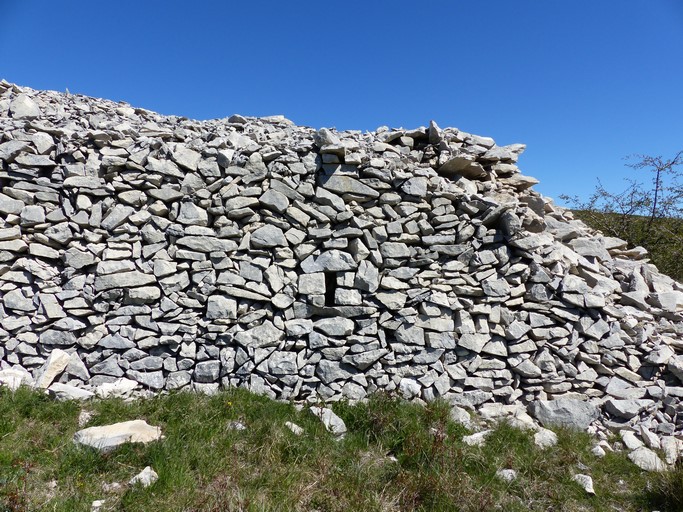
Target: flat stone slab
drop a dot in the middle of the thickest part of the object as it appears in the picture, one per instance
(565, 412)
(65, 392)
(108, 437)
(646, 459)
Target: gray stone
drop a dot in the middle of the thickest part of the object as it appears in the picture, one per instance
(218, 307)
(143, 295)
(367, 277)
(364, 360)
(77, 258)
(185, 157)
(53, 367)
(409, 388)
(16, 300)
(55, 337)
(335, 326)
(619, 388)
(473, 342)
(268, 236)
(192, 214)
(415, 187)
(207, 244)
(545, 438)
(283, 363)
(527, 369)
(312, 284)
(153, 380)
(462, 166)
(264, 335)
(274, 200)
(347, 185)
(117, 216)
(123, 280)
(564, 412)
(330, 371)
(477, 439)
(64, 392)
(675, 366)
(394, 250)
(23, 107)
(627, 409)
(116, 341)
(207, 371)
(329, 261)
(10, 206)
(31, 215)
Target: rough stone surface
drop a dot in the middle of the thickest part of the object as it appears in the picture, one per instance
(646, 459)
(145, 478)
(166, 253)
(565, 412)
(332, 422)
(585, 481)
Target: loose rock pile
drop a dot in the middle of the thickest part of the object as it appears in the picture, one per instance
(158, 252)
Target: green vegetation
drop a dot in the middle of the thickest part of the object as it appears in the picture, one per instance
(648, 216)
(396, 456)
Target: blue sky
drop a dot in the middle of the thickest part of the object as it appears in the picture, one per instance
(583, 83)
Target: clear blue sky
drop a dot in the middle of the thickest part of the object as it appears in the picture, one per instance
(583, 83)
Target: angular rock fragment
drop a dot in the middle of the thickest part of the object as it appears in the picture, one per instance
(333, 423)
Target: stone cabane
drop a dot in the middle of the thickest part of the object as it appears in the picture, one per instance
(314, 264)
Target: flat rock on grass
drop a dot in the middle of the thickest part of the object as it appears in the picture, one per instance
(565, 412)
(586, 482)
(646, 459)
(108, 437)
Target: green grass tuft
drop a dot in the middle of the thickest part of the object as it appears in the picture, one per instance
(396, 456)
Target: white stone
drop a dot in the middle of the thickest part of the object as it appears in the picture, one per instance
(545, 438)
(65, 392)
(108, 437)
(330, 420)
(646, 459)
(477, 439)
(53, 367)
(15, 377)
(296, 429)
(507, 475)
(145, 478)
(584, 481)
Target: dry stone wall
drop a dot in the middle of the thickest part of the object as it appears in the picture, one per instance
(158, 252)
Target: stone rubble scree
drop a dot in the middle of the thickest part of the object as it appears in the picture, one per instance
(141, 253)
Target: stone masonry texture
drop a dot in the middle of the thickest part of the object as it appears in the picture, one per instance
(166, 253)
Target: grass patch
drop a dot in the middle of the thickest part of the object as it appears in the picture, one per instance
(396, 456)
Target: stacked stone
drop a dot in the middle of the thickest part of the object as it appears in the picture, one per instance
(312, 265)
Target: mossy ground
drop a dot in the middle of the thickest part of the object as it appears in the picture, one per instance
(396, 456)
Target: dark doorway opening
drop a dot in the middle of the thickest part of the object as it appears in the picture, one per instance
(330, 288)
